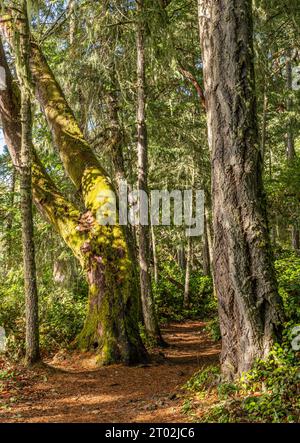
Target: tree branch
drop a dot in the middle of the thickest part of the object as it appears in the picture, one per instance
(190, 77)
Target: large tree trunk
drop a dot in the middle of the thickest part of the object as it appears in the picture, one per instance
(249, 306)
(22, 49)
(148, 305)
(112, 320)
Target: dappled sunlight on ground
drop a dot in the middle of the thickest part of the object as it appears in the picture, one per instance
(72, 389)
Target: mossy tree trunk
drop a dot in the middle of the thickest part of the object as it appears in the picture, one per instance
(112, 319)
(111, 323)
(61, 213)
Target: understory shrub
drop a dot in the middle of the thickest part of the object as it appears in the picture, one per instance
(169, 290)
(288, 276)
(269, 392)
(61, 312)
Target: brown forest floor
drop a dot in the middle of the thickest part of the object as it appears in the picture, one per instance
(72, 390)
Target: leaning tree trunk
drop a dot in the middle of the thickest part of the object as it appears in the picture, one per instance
(61, 213)
(22, 49)
(148, 305)
(249, 306)
(112, 321)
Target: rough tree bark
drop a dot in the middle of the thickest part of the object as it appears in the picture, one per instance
(112, 321)
(148, 305)
(249, 306)
(22, 49)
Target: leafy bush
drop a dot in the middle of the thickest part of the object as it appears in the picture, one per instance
(269, 392)
(204, 379)
(61, 311)
(213, 328)
(169, 291)
(276, 383)
(288, 276)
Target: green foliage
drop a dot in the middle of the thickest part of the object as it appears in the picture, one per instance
(204, 379)
(148, 341)
(61, 310)
(213, 328)
(168, 294)
(187, 406)
(269, 392)
(276, 382)
(288, 276)
(6, 374)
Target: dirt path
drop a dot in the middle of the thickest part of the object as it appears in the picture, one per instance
(77, 392)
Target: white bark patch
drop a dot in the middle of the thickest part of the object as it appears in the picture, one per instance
(204, 9)
(296, 78)
(3, 339)
(2, 79)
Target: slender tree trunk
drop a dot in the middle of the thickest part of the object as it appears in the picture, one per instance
(72, 20)
(116, 139)
(31, 293)
(116, 144)
(264, 123)
(181, 260)
(148, 305)
(9, 225)
(155, 262)
(290, 143)
(186, 297)
(250, 309)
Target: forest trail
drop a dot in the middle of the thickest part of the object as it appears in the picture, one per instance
(72, 390)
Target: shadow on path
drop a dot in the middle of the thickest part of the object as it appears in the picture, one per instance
(74, 390)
